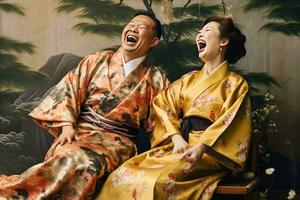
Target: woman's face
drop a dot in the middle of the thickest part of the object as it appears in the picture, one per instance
(209, 42)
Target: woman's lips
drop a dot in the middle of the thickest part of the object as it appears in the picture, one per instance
(201, 45)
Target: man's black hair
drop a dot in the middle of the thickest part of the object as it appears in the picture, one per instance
(157, 22)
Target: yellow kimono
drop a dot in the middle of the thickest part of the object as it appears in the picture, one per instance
(158, 174)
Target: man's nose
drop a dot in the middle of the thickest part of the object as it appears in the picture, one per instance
(135, 28)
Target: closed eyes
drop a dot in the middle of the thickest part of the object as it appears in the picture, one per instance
(140, 26)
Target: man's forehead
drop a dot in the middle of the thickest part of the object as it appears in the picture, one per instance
(144, 19)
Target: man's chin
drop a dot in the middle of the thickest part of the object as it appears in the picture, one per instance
(129, 50)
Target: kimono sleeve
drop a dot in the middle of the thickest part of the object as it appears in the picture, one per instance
(228, 138)
(61, 106)
(167, 108)
(158, 82)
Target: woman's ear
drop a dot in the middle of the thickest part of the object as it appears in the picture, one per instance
(224, 42)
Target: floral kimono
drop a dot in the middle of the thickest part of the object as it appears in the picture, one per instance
(158, 174)
(106, 109)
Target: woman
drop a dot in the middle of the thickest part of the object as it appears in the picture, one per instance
(202, 129)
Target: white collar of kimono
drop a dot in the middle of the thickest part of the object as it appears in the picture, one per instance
(131, 65)
(206, 72)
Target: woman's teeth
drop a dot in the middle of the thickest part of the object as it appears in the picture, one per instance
(201, 45)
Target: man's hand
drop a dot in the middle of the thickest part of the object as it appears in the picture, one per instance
(193, 154)
(68, 134)
(180, 145)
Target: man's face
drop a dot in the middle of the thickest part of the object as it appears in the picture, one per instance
(139, 36)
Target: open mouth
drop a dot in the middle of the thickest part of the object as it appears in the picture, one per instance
(131, 39)
(201, 45)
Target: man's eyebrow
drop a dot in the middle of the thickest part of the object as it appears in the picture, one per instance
(144, 24)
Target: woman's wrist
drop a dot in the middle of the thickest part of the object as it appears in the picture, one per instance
(176, 137)
(202, 147)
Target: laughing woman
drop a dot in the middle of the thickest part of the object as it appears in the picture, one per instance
(202, 129)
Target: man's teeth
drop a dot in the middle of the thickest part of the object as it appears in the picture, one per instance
(131, 38)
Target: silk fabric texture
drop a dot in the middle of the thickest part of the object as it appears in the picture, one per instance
(220, 97)
(71, 171)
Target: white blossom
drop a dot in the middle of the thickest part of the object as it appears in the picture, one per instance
(292, 194)
(270, 171)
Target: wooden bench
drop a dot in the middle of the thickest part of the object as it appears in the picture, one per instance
(238, 187)
(243, 187)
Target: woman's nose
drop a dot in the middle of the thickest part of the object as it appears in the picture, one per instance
(200, 34)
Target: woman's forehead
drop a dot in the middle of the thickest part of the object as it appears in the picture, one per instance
(212, 24)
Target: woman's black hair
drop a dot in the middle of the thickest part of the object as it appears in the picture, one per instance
(235, 48)
(158, 26)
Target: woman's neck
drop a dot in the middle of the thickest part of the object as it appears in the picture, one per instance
(211, 65)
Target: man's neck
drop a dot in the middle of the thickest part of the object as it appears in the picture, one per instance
(131, 65)
(129, 57)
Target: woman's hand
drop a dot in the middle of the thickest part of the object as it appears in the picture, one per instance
(68, 134)
(180, 145)
(193, 154)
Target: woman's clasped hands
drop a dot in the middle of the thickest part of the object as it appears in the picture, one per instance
(189, 154)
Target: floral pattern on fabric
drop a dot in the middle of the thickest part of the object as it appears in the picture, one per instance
(243, 147)
(125, 175)
(228, 119)
(71, 171)
(227, 84)
(200, 99)
(169, 113)
(160, 152)
(204, 97)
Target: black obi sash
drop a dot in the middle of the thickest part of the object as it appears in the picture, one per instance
(193, 123)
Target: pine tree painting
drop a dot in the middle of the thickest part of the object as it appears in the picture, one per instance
(15, 77)
(283, 16)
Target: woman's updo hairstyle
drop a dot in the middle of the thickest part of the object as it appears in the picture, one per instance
(235, 48)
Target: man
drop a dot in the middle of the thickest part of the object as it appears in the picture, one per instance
(94, 113)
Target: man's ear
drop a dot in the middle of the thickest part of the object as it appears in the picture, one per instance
(155, 42)
(224, 42)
